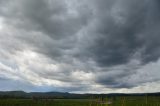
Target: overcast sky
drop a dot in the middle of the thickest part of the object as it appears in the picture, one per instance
(80, 46)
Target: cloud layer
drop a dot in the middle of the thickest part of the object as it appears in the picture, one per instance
(88, 46)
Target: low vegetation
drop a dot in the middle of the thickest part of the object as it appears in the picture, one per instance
(92, 101)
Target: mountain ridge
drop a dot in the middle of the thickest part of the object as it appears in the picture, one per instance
(67, 95)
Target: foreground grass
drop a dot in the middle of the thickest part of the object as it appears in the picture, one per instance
(116, 101)
(55, 102)
(137, 101)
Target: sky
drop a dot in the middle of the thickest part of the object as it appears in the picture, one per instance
(80, 46)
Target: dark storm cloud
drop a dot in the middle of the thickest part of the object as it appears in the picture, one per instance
(53, 18)
(53, 24)
(89, 36)
(116, 42)
(118, 77)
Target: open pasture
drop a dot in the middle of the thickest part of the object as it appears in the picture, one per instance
(97, 101)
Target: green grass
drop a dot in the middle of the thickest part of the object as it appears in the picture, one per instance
(137, 101)
(116, 101)
(55, 102)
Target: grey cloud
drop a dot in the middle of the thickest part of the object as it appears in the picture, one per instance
(93, 36)
(116, 43)
(47, 27)
(117, 78)
(125, 28)
(3, 79)
(52, 18)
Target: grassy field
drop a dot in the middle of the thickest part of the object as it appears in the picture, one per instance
(55, 102)
(112, 101)
(136, 101)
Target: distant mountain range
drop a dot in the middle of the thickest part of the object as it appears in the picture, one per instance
(62, 95)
